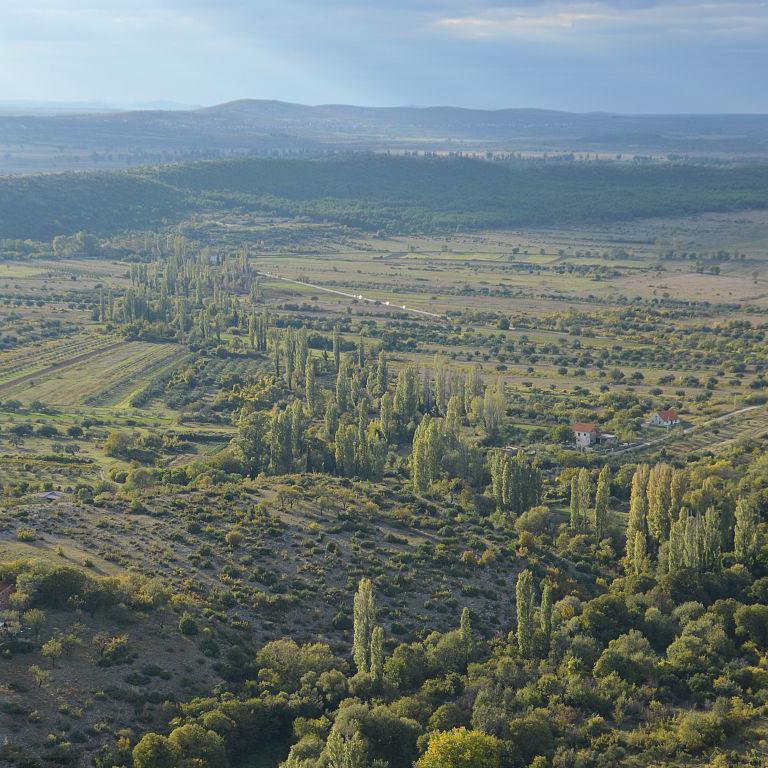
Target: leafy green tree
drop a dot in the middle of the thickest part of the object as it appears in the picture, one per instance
(155, 751)
(461, 748)
(751, 621)
(34, 620)
(197, 746)
(630, 656)
(41, 676)
(346, 750)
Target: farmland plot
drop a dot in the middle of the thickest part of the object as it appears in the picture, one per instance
(102, 378)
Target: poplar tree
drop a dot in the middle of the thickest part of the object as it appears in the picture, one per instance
(345, 450)
(574, 510)
(515, 482)
(336, 347)
(310, 388)
(659, 493)
(364, 617)
(361, 442)
(712, 541)
(473, 387)
(385, 415)
(676, 545)
(524, 606)
(301, 352)
(406, 396)
(546, 609)
(290, 358)
(581, 491)
(639, 554)
(493, 410)
(382, 375)
(746, 539)
(426, 454)
(465, 630)
(281, 452)
(602, 501)
(377, 655)
(330, 420)
(636, 524)
(677, 488)
(343, 386)
(453, 417)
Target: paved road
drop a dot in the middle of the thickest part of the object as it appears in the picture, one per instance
(357, 296)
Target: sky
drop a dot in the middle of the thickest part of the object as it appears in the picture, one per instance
(634, 56)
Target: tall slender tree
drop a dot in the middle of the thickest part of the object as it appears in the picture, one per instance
(364, 619)
(746, 539)
(602, 502)
(524, 607)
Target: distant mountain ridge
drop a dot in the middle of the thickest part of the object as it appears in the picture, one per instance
(259, 127)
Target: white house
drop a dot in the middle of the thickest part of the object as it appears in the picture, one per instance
(664, 419)
(586, 434)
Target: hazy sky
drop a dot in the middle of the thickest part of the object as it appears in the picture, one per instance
(621, 55)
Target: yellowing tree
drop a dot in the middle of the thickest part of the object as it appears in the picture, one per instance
(461, 748)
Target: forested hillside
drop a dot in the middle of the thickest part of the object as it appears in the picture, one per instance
(395, 194)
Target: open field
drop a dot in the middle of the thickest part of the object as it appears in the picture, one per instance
(209, 438)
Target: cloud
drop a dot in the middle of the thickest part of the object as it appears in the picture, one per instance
(557, 19)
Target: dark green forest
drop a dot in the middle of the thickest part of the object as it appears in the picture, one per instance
(379, 192)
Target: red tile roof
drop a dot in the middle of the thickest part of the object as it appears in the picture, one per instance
(668, 415)
(585, 426)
